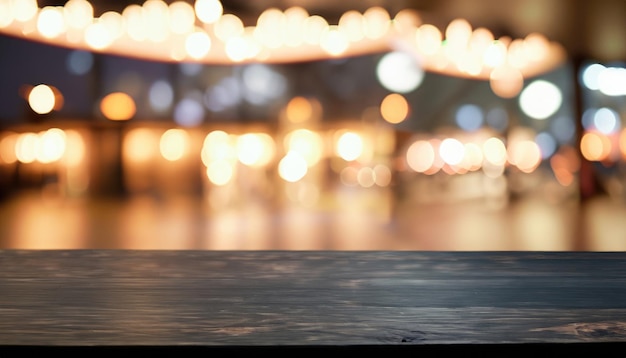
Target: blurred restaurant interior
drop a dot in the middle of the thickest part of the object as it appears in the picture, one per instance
(313, 125)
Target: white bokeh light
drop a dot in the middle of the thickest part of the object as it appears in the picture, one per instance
(540, 99)
(349, 146)
(451, 151)
(399, 72)
(292, 167)
(606, 120)
(612, 81)
(591, 74)
(262, 84)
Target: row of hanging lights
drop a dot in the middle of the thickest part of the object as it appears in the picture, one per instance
(202, 32)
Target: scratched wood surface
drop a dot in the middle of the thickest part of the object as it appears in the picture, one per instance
(273, 298)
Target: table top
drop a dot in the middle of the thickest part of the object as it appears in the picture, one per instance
(83, 298)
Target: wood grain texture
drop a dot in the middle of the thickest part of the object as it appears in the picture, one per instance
(292, 298)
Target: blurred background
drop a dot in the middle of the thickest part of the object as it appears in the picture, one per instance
(313, 125)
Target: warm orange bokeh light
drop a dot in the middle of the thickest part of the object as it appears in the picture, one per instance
(394, 108)
(140, 145)
(299, 109)
(118, 106)
(595, 147)
(506, 81)
(8, 144)
(525, 154)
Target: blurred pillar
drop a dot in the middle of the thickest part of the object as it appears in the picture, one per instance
(106, 171)
(107, 175)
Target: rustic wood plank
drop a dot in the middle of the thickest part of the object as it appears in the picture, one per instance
(309, 298)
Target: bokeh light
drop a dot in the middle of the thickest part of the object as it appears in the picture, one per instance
(140, 145)
(308, 144)
(218, 145)
(469, 117)
(174, 144)
(156, 18)
(590, 76)
(41, 99)
(377, 22)
(349, 146)
(78, 13)
(262, 84)
(506, 81)
(565, 163)
(606, 120)
(458, 33)
(452, 151)
(428, 39)
(134, 22)
(295, 22)
(334, 41)
(299, 109)
(540, 99)
(161, 96)
(76, 149)
(220, 172)
(255, 149)
(420, 156)
(189, 111)
(112, 23)
(26, 147)
(595, 146)
(495, 151)
(50, 22)
(51, 146)
(227, 27)
(547, 143)
(8, 143)
(79, 62)
(495, 54)
(497, 118)
(182, 17)
(208, 11)
(399, 72)
(366, 177)
(348, 176)
(525, 155)
(612, 81)
(394, 108)
(270, 27)
(118, 106)
(98, 36)
(292, 167)
(473, 156)
(352, 24)
(198, 44)
(227, 93)
(382, 175)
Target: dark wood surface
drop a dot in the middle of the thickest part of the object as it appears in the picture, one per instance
(83, 298)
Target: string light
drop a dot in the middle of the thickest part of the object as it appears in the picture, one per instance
(155, 31)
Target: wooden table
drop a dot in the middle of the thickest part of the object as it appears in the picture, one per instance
(372, 300)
